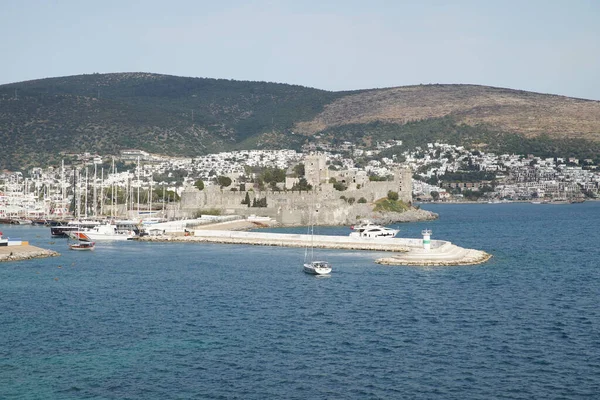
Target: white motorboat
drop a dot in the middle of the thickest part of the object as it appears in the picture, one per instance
(317, 268)
(108, 232)
(363, 225)
(374, 231)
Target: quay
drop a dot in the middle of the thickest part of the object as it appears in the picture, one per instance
(418, 252)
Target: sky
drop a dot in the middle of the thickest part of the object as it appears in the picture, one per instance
(545, 46)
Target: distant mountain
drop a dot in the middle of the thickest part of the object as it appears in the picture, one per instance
(42, 120)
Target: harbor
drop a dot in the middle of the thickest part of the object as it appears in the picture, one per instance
(403, 251)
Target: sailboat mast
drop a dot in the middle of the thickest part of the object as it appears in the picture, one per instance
(95, 194)
(102, 193)
(138, 186)
(75, 200)
(86, 193)
(112, 209)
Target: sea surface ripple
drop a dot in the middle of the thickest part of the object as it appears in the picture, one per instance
(203, 321)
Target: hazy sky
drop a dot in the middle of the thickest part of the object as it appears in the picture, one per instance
(546, 46)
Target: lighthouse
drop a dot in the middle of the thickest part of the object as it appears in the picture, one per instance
(426, 238)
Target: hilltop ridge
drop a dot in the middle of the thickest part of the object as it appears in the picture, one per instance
(42, 120)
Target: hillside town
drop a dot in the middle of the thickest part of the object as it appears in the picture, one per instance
(440, 172)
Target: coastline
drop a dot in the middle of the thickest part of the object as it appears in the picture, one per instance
(24, 252)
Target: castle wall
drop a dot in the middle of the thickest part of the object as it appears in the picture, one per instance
(293, 207)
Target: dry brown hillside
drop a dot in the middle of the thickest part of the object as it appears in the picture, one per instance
(508, 110)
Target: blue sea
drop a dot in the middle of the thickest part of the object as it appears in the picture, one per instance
(204, 321)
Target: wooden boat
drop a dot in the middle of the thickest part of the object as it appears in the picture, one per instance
(82, 246)
(81, 241)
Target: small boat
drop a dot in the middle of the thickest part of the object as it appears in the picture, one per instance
(82, 246)
(317, 268)
(314, 267)
(374, 231)
(82, 241)
(21, 221)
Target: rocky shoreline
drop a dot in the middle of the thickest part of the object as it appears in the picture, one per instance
(24, 252)
(412, 215)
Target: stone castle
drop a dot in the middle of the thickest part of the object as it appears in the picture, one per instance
(298, 207)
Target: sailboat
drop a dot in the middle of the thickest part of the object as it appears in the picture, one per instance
(81, 241)
(312, 266)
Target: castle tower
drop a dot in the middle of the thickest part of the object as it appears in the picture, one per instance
(403, 181)
(315, 169)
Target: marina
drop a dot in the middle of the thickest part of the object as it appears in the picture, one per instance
(405, 251)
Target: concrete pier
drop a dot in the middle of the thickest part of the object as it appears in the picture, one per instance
(285, 240)
(445, 255)
(407, 251)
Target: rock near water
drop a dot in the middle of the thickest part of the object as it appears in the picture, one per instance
(412, 215)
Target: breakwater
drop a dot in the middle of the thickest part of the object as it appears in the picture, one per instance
(406, 251)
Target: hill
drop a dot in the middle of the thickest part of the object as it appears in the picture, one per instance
(42, 120)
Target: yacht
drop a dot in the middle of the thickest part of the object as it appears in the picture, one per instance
(374, 231)
(72, 226)
(363, 224)
(108, 231)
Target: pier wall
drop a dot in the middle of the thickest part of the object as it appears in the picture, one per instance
(405, 251)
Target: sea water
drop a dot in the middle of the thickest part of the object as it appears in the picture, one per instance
(134, 320)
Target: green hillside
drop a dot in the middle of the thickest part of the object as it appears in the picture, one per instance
(103, 113)
(42, 120)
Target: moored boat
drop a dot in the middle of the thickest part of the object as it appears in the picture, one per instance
(108, 231)
(374, 231)
(72, 226)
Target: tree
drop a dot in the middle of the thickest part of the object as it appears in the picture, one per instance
(391, 195)
(299, 169)
(339, 186)
(362, 200)
(302, 185)
(435, 195)
(246, 199)
(199, 184)
(270, 175)
(223, 180)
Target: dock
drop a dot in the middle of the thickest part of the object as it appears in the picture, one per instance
(405, 251)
